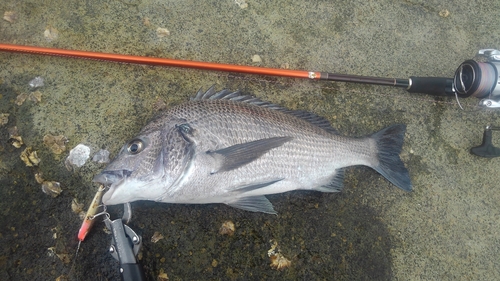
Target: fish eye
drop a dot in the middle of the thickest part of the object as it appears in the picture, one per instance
(135, 146)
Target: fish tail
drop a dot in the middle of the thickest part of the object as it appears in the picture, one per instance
(389, 143)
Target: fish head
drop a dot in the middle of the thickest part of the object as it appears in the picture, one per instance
(146, 166)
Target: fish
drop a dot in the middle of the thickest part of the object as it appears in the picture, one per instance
(232, 148)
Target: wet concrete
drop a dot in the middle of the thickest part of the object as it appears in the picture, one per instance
(445, 229)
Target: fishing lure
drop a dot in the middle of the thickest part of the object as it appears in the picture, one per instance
(91, 214)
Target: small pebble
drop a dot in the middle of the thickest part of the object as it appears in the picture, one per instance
(102, 156)
(76, 207)
(14, 137)
(36, 82)
(227, 228)
(162, 32)
(56, 143)
(77, 156)
(242, 3)
(21, 98)
(30, 157)
(10, 16)
(35, 97)
(444, 13)
(51, 188)
(162, 276)
(157, 236)
(38, 177)
(279, 262)
(4, 118)
(256, 58)
(51, 34)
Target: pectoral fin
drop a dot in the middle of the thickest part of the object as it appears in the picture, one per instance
(253, 187)
(241, 154)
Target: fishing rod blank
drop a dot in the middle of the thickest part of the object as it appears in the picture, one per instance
(467, 78)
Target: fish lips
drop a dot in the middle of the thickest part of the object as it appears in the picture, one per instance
(114, 179)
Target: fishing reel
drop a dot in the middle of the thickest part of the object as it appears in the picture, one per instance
(480, 79)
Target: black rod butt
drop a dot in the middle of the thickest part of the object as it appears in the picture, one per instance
(436, 86)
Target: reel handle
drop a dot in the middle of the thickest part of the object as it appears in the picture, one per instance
(487, 149)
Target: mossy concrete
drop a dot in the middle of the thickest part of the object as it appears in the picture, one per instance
(446, 229)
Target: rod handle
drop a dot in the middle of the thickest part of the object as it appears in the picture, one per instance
(437, 86)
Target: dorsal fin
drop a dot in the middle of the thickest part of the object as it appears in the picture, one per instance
(237, 96)
(314, 119)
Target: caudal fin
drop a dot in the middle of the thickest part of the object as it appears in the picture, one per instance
(389, 143)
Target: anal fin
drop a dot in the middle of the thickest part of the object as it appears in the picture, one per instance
(337, 183)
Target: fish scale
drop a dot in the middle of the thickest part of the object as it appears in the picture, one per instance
(225, 147)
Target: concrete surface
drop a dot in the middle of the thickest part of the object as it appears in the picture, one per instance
(446, 229)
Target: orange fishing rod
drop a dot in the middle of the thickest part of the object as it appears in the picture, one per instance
(159, 61)
(430, 85)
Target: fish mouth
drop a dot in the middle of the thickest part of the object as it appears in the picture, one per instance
(113, 179)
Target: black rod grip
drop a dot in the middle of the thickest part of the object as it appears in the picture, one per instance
(437, 86)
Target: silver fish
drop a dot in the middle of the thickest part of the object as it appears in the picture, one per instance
(225, 147)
